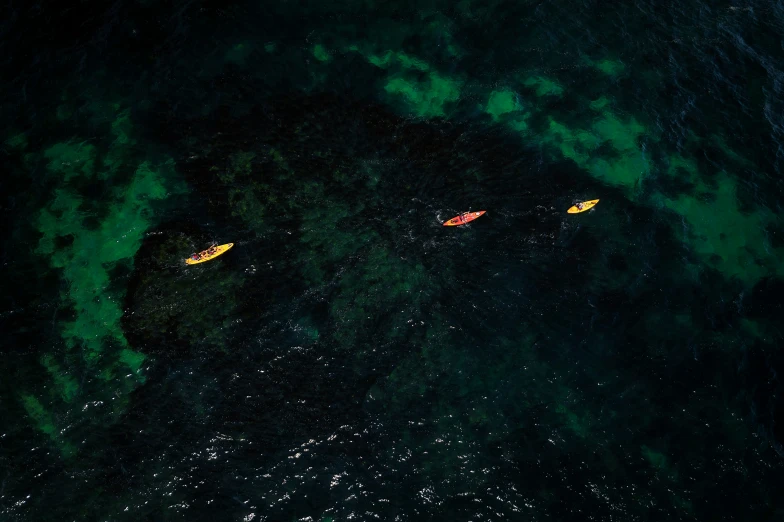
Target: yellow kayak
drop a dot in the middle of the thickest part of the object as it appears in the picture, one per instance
(209, 254)
(585, 205)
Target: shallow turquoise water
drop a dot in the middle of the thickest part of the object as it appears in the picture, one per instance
(350, 358)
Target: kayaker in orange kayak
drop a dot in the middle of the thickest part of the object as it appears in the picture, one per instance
(463, 218)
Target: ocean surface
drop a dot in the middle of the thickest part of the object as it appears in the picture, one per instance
(350, 358)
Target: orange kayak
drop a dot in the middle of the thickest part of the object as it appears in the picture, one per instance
(585, 205)
(462, 219)
(201, 257)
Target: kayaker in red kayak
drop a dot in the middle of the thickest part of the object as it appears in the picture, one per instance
(463, 218)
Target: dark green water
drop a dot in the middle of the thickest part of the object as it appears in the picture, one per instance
(350, 358)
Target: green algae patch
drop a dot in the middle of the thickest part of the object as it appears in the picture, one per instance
(517, 124)
(628, 171)
(321, 54)
(147, 184)
(132, 359)
(425, 91)
(544, 86)
(504, 105)
(71, 159)
(65, 384)
(87, 240)
(396, 58)
(622, 135)
(502, 102)
(610, 67)
(627, 168)
(410, 62)
(117, 158)
(61, 219)
(42, 418)
(731, 241)
(270, 47)
(567, 142)
(94, 249)
(631, 166)
(44, 421)
(91, 253)
(426, 98)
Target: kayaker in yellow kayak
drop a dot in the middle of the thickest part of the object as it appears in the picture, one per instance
(211, 253)
(582, 206)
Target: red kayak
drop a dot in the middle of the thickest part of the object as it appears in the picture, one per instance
(462, 219)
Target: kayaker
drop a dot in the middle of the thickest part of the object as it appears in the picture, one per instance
(579, 206)
(208, 254)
